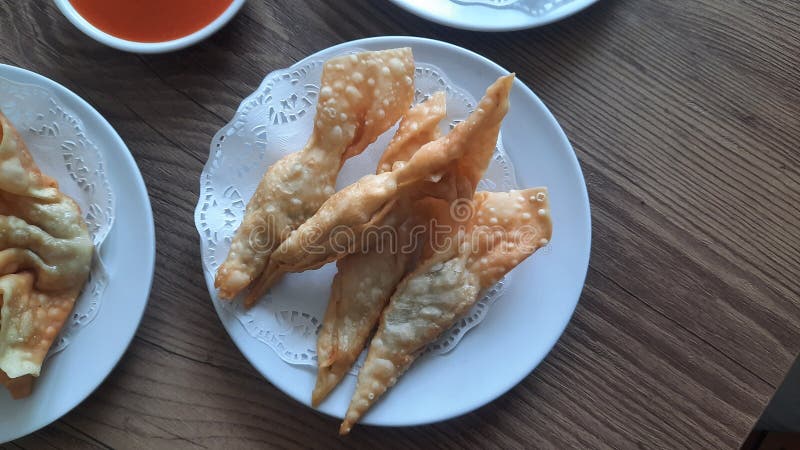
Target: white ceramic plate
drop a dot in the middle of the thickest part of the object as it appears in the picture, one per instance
(128, 253)
(493, 15)
(523, 324)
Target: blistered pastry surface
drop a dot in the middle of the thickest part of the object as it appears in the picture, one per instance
(361, 95)
(274, 121)
(45, 258)
(504, 229)
(64, 150)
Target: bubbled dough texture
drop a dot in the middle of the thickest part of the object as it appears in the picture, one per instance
(43, 234)
(509, 227)
(361, 96)
(356, 205)
(246, 147)
(365, 280)
(418, 127)
(433, 297)
(30, 321)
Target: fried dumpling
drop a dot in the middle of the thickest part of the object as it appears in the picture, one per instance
(361, 96)
(29, 323)
(507, 228)
(45, 258)
(362, 286)
(419, 126)
(336, 229)
(365, 279)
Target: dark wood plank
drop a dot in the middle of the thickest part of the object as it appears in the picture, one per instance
(59, 436)
(686, 118)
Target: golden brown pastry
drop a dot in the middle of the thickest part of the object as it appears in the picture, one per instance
(361, 96)
(419, 126)
(336, 229)
(507, 228)
(45, 258)
(20, 387)
(367, 278)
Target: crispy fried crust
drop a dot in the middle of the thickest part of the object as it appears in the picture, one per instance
(362, 286)
(361, 96)
(338, 224)
(29, 323)
(45, 258)
(506, 228)
(20, 387)
(419, 126)
(365, 279)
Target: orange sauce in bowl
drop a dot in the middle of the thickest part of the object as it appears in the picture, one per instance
(150, 20)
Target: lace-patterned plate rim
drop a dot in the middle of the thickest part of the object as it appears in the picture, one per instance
(128, 250)
(89, 177)
(494, 15)
(536, 306)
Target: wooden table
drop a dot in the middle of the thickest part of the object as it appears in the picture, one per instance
(685, 115)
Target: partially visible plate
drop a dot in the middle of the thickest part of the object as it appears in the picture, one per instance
(522, 325)
(128, 253)
(493, 15)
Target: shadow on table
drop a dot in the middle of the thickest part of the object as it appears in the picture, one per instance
(779, 425)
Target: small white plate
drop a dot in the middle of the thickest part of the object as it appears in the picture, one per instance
(128, 253)
(524, 323)
(493, 15)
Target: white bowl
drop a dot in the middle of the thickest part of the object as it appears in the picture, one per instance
(147, 47)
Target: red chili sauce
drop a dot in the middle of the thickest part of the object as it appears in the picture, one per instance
(150, 20)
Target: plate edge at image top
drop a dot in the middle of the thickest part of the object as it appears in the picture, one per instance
(426, 44)
(118, 160)
(561, 13)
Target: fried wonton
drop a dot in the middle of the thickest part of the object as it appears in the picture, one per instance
(365, 279)
(45, 258)
(419, 126)
(336, 229)
(506, 228)
(361, 96)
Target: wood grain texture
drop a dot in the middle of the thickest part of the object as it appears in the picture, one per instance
(685, 115)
